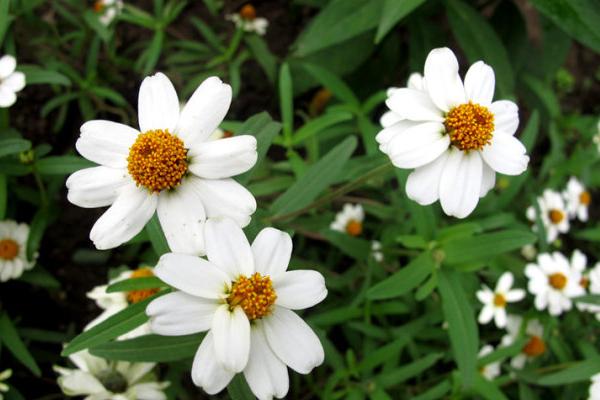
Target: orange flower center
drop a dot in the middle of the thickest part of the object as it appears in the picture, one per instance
(99, 6)
(556, 216)
(319, 101)
(585, 198)
(248, 12)
(9, 249)
(255, 295)
(354, 227)
(558, 280)
(499, 300)
(584, 282)
(135, 296)
(471, 126)
(534, 347)
(227, 134)
(157, 160)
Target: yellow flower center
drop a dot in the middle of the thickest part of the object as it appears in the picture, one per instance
(9, 249)
(157, 160)
(499, 300)
(558, 280)
(135, 296)
(585, 198)
(471, 126)
(354, 228)
(534, 347)
(556, 216)
(255, 295)
(248, 12)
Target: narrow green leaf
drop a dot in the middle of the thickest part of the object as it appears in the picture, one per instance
(354, 247)
(488, 390)
(393, 12)
(591, 234)
(588, 299)
(5, 18)
(3, 196)
(150, 348)
(61, 165)
(13, 146)
(530, 133)
(286, 101)
(435, 392)
(144, 282)
(578, 372)
(262, 55)
(314, 126)
(37, 227)
(238, 389)
(331, 81)
(265, 130)
(485, 246)
(36, 75)
(40, 277)
(399, 375)
(9, 337)
(157, 236)
(404, 280)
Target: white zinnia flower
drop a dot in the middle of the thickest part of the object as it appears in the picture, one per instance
(415, 82)
(453, 135)
(376, 251)
(108, 10)
(11, 81)
(4, 375)
(594, 391)
(494, 302)
(247, 20)
(244, 297)
(553, 282)
(535, 346)
(492, 370)
(168, 166)
(553, 214)
(99, 379)
(13, 250)
(578, 200)
(349, 220)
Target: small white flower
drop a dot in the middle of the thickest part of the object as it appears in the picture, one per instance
(453, 135)
(376, 251)
(4, 375)
(594, 392)
(100, 379)
(13, 250)
(415, 82)
(169, 167)
(578, 200)
(592, 281)
(494, 302)
(554, 214)
(553, 282)
(492, 370)
(247, 20)
(535, 345)
(349, 220)
(244, 297)
(11, 81)
(108, 10)
(529, 252)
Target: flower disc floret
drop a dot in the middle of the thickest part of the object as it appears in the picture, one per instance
(585, 198)
(556, 216)
(255, 295)
(558, 280)
(470, 125)
(157, 160)
(499, 300)
(248, 12)
(135, 296)
(9, 249)
(534, 347)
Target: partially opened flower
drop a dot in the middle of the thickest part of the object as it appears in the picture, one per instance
(535, 346)
(349, 220)
(553, 214)
(169, 166)
(99, 379)
(244, 297)
(247, 20)
(11, 81)
(494, 302)
(13, 250)
(453, 135)
(578, 199)
(415, 82)
(107, 10)
(4, 376)
(492, 370)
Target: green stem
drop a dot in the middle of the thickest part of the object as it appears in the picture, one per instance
(42, 188)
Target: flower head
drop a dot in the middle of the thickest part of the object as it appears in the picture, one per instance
(244, 297)
(376, 251)
(492, 370)
(535, 345)
(553, 214)
(578, 199)
(247, 20)
(349, 220)
(494, 302)
(452, 134)
(107, 10)
(13, 250)
(11, 81)
(170, 166)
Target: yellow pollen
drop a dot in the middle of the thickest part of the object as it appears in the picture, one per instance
(248, 12)
(470, 126)
(99, 6)
(9, 249)
(157, 160)
(227, 134)
(354, 227)
(255, 295)
(499, 300)
(135, 296)
(558, 280)
(534, 347)
(556, 216)
(585, 198)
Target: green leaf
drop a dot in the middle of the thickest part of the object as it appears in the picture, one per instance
(488, 390)
(464, 336)
(331, 81)
(399, 375)
(9, 337)
(143, 282)
(265, 130)
(150, 348)
(314, 126)
(591, 234)
(286, 101)
(3, 196)
(36, 75)
(393, 12)
(38, 226)
(435, 392)
(262, 55)
(61, 165)
(238, 389)
(354, 247)
(5, 18)
(578, 372)
(588, 299)
(40, 277)
(530, 133)
(157, 236)
(404, 280)
(13, 146)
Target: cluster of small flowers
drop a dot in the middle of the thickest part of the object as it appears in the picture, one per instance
(350, 221)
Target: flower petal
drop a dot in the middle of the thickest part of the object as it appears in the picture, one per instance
(443, 82)
(223, 158)
(500, 317)
(299, 289)
(505, 282)
(79, 383)
(7, 65)
(272, 250)
(231, 335)
(506, 116)
(505, 154)
(414, 105)
(158, 105)
(14, 82)
(96, 186)
(480, 82)
(423, 184)
(486, 314)
(460, 184)
(419, 145)
(515, 295)
(385, 136)
(207, 373)
(488, 180)
(389, 118)
(106, 142)
(7, 97)
(178, 313)
(228, 248)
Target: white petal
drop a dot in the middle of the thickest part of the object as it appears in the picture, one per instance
(228, 248)
(179, 313)
(149, 391)
(505, 154)
(7, 65)
(479, 83)
(299, 289)
(192, 275)
(423, 184)
(414, 105)
(7, 97)
(500, 317)
(96, 186)
(506, 116)
(443, 82)
(128, 215)
(515, 295)
(385, 136)
(485, 295)
(416, 81)
(231, 335)
(15, 82)
(223, 158)
(80, 383)
(460, 184)
(505, 282)
(204, 111)
(389, 118)
(293, 341)
(272, 250)
(418, 145)
(106, 142)
(158, 105)
(486, 314)
(206, 371)
(182, 217)
(488, 180)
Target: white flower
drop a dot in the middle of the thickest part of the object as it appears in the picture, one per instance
(494, 302)
(591, 281)
(376, 251)
(535, 345)
(553, 282)
(453, 135)
(553, 214)
(594, 393)
(492, 370)
(415, 82)
(108, 10)
(349, 220)
(13, 250)
(578, 199)
(11, 81)
(529, 252)
(99, 379)
(247, 20)
(169, 166)
(243, 297)
(4, 375)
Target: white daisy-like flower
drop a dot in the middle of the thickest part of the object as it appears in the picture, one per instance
(535, 345)
(107, 10)
(349, 220)
(169, 166)
(4, 376)
(594, 391)
(11, 81)
(553, 283)
(492, 370)
(376, 251)
(99, 379)
(415, 82)
(494, 302)
(453, 135)
(529, 252)
(244, 297)
(554, 214)
(13, 250)
(247, 20)
(590, 280)
(578, 199)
